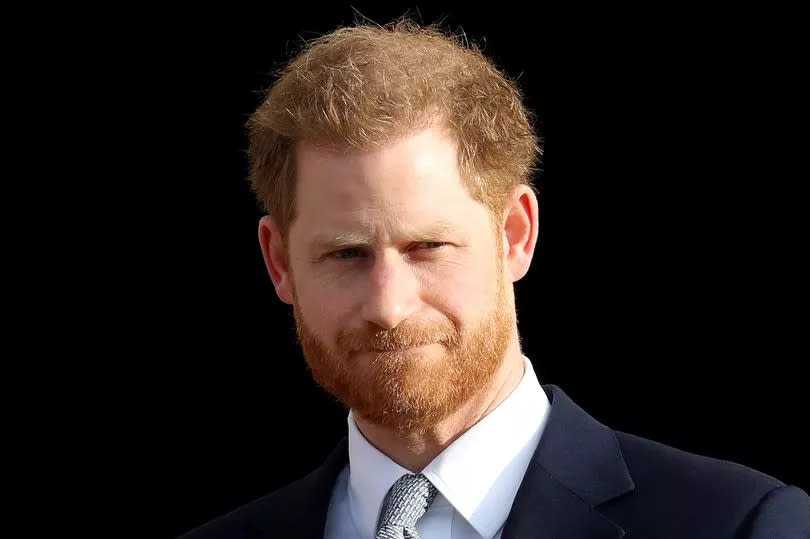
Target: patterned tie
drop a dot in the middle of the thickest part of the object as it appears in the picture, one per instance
(410, 497)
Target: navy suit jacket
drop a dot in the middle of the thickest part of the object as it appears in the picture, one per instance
(585, 481)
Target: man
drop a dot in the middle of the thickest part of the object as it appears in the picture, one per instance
(395, 167)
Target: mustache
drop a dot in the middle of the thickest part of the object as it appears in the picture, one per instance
(382, 340)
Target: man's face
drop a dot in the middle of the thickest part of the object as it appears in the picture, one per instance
(400, 301)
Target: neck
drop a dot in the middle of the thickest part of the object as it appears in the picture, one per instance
(417, 450)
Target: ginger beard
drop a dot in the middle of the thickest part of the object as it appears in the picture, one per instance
(410, 390)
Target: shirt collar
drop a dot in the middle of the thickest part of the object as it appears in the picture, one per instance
(478, 474)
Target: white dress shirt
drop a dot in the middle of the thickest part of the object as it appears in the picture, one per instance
(477, 476)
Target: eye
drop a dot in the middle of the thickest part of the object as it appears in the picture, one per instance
(432, 245)
(355, 252)
(346, 254)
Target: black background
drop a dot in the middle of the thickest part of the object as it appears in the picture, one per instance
(668, 294)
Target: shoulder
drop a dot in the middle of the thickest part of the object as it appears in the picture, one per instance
(300, 506)
(666, 465)
(727, 497)
(250, 520)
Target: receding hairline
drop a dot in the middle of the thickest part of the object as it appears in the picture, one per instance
(432, 121)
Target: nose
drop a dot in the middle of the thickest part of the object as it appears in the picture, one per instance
(393, 291)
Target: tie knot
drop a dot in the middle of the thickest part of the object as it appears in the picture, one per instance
(410, 497)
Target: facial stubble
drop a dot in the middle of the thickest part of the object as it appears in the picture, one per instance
(405, 388)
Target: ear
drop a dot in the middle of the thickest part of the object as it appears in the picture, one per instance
(520, 231)
(275, 258)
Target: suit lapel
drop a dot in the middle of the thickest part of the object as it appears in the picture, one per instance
(577, 466)
(306, 504)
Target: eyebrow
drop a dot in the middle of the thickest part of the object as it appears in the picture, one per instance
(334, 242)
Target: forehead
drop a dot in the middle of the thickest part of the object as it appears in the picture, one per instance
(412, 183)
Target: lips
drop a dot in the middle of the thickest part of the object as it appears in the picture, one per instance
(378, 350)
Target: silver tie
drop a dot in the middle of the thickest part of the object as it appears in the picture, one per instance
(410, 497)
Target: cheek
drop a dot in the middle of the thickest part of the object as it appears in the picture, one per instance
(466, 294)
(323, 307)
